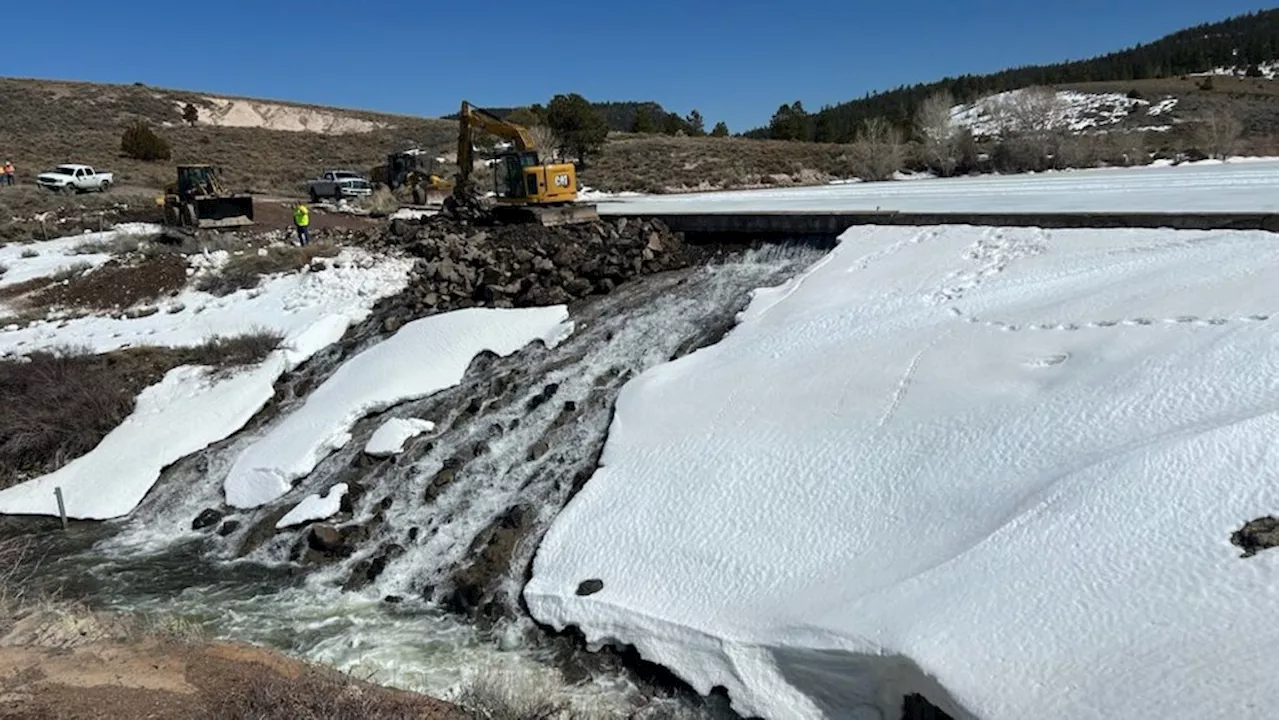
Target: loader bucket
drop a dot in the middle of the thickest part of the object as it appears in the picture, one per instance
(224, 212)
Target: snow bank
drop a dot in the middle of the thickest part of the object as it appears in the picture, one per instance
(1003, 460)
(314, 507)
(54, 255)
(188, 411)
(411, 214)
(291, 304)
(1220, 187)
(390, 437)
(185, 412)
(423, 357)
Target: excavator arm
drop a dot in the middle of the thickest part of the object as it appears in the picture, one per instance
(470, 118)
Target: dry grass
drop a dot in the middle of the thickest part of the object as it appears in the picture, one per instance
(22, 208)
(496, 695)
(657, 163)
(60, 403)
(316, 695)
(381, 202)
(231, 351)
(49, 122)
(247, 270)
(14, 573)
(118, 284)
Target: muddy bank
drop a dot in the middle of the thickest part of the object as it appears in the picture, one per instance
(165, 680)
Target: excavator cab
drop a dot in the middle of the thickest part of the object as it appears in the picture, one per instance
(521, 178)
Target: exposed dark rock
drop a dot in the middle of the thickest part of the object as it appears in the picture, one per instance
(229, 527)
(1257, 534)
(326, 539)
(589, 587)
(393, 599)
(391, 324)
(438, 483)
(489, 559)
(206, 518)
(524, 264)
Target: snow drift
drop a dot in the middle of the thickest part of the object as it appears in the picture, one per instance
(424, 356)
(997, 467)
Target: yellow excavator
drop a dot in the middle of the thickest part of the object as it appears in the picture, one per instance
(525, 189)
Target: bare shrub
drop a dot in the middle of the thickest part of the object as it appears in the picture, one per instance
(496, 694)
(59, 403)
(545, 140)
(315, 695)
(939, 139)
(1030, 111)
(381, 202)
(69, 272)
(246, 271)
(13, 579)
(1218, 130)
(227, 351)
(29, 253)
(877, 153)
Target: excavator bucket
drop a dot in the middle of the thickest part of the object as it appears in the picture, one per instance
(224, 212)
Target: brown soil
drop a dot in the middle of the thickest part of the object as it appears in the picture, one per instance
(168, 681)
(273, 214)
(120, 283)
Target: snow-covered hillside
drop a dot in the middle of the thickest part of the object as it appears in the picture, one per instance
(1059, 110)
(995, 466)
(190, 408)
(1269, 70)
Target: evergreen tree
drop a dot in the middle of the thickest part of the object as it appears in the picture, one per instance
(720, 130)
(644, 122)
(580, 128)
(695, 124)
(140, 142)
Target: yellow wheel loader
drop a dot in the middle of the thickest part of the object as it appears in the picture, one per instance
(411, 175)
(198, 200)
(525, 189)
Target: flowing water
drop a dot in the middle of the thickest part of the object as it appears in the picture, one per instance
(451, 523)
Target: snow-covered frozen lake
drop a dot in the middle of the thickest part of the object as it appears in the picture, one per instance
(1003, 460)
(1244, 185)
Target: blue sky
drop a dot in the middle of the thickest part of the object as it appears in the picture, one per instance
(733, 61)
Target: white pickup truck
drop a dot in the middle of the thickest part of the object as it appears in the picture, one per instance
(75, 178)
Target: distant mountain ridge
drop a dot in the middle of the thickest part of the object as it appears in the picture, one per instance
(1241, 41)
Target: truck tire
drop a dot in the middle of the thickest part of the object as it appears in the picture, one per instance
(103, 187)
(69, 189)
(315, 198)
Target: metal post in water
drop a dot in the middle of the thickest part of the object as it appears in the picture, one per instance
(62, 508)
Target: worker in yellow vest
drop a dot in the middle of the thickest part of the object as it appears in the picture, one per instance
(301, 220)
